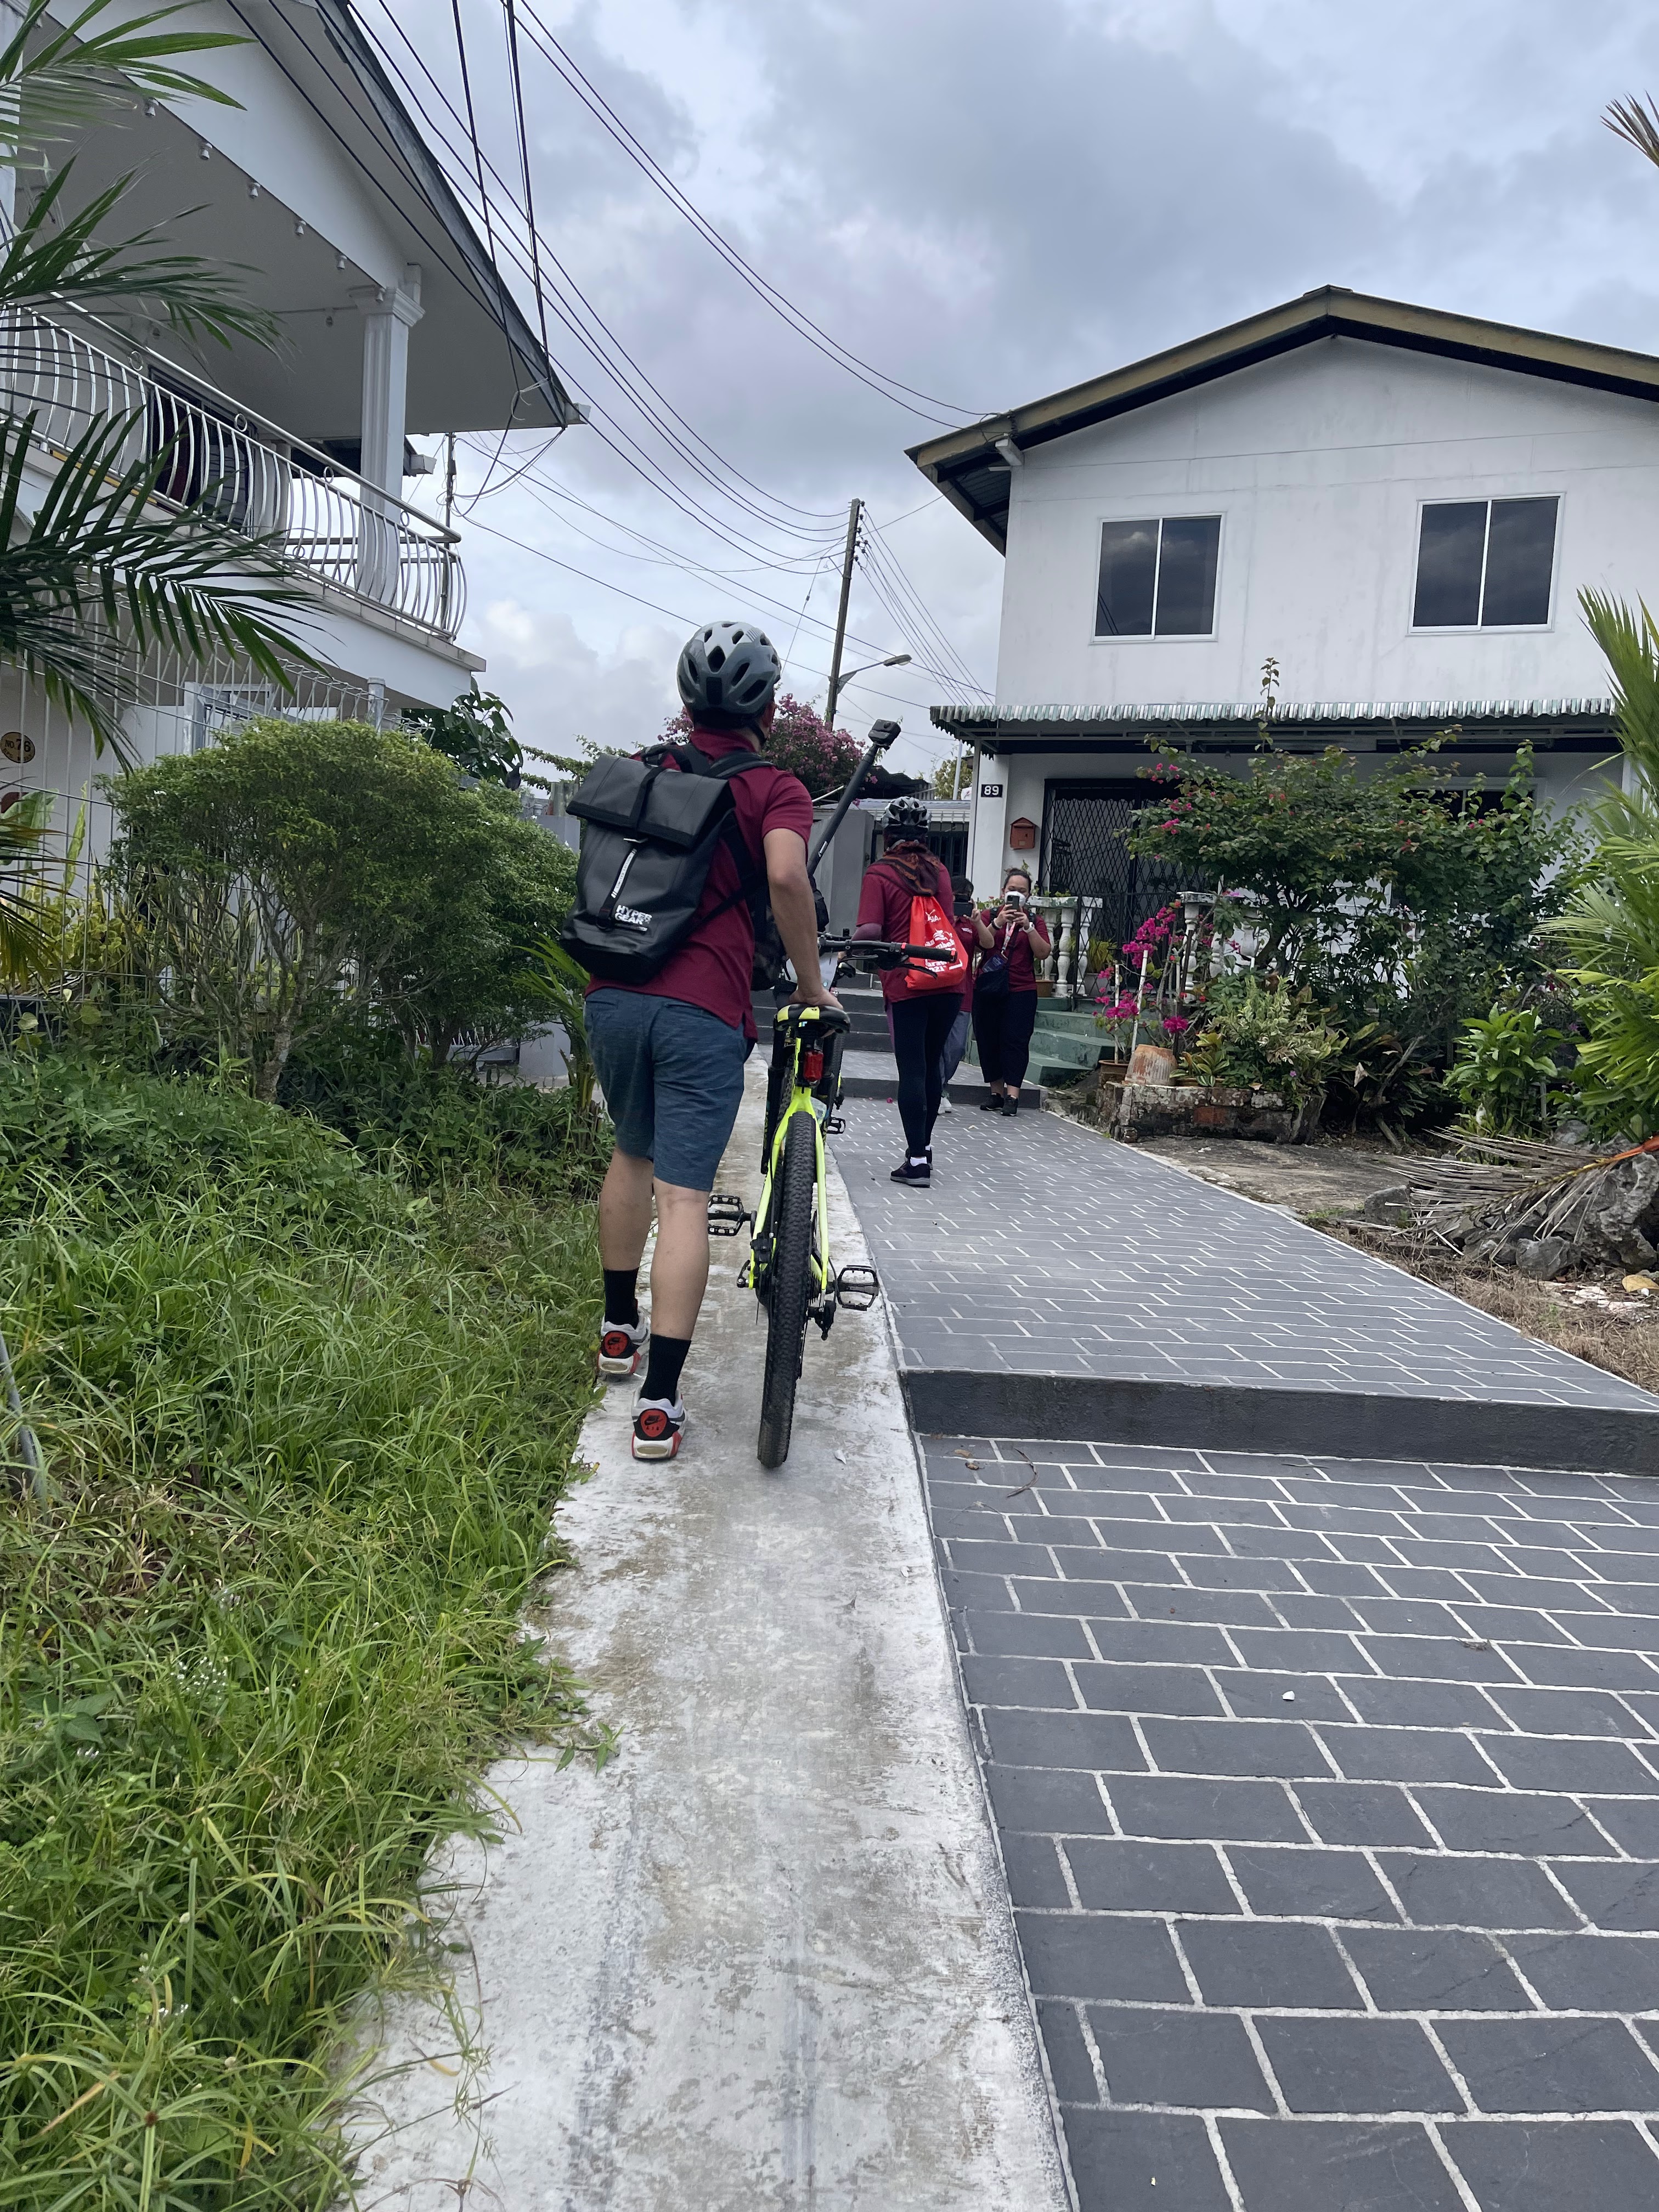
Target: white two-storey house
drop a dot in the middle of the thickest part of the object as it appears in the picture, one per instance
(1397, 507)
(396, 325)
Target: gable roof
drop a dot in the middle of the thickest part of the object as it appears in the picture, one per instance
(968, 469)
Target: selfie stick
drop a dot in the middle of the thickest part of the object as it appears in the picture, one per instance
(882, 735)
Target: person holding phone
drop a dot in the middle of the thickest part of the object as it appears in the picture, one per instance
(1010, 938)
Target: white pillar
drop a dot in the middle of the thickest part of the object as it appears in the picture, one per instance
(390, 312)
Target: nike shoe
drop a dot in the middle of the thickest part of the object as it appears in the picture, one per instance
(917, 1174)
(621, 1344)
(659, 1424)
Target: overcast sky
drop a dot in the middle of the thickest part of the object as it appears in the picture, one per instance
(985, 200)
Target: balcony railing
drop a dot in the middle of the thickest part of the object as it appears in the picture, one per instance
(330, 523)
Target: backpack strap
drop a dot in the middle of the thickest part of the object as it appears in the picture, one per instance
(752, 880)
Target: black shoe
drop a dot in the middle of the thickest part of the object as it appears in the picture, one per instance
(990, 1102)
(1010, 1107)
(918, 1174)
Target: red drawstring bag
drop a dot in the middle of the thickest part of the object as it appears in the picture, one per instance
(931, 926)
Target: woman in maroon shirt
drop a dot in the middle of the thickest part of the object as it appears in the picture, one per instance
(1010, 940)
(921, 1019)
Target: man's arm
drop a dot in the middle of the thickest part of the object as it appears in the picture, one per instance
(795, 913)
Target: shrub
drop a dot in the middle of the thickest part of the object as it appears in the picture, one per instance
(1505, 1064)
(293, 868)
(435, 1124)
(1404, 907)
(1258, 1038)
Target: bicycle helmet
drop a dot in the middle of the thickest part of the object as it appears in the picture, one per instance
(728, 668)
(909, 816)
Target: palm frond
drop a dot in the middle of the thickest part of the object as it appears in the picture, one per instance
(23, 828)
(97, 565)
(64, 77)
(1636, 123)
(52, 258)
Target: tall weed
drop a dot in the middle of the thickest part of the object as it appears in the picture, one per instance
(304, 1430)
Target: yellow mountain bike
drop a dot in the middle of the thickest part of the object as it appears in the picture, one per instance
(790, 1268)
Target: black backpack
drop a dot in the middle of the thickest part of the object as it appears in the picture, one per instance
(650, 832)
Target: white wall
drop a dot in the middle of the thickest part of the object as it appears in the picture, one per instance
(1317, 464)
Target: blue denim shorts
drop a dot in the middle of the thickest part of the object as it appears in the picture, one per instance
(673, 1079)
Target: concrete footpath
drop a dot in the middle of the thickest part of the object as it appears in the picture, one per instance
(765, 1958)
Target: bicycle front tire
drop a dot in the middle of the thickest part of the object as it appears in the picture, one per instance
(790, 1286)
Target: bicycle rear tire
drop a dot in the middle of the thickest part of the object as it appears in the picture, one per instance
(789, 1280)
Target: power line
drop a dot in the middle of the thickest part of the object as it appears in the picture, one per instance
(571, 317)
(803, 325)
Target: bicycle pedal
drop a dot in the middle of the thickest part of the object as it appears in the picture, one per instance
(726, 1215)
(857, 1289)
(832, 1125)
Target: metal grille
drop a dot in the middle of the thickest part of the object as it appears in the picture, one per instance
(1084, 852)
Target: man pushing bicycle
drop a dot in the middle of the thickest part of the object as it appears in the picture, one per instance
(684, 850)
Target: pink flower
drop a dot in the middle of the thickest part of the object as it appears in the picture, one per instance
(1175, 1024)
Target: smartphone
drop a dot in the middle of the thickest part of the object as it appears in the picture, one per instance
(1013, 898)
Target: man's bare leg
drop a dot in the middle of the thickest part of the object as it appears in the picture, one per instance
(679, 1268)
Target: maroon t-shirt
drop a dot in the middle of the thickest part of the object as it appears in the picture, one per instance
(885, 900)
(714, 967)
(1021, 970)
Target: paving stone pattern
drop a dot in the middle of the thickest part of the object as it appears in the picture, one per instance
(1041, 1250)
(1328, 1796)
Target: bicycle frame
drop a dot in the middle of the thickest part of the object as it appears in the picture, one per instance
(805, 1078)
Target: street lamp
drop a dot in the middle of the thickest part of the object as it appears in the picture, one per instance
(839, 683)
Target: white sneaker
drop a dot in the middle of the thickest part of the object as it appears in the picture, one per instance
(659, 1424)
(944, 1105)
(622, 1343)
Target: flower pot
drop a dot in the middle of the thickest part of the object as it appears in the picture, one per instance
(1151, 1063)
(1045, 987)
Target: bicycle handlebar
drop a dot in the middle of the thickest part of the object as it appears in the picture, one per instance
(883, 951)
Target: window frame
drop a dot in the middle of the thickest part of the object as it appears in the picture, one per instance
(1156, 636)
(1414, 628)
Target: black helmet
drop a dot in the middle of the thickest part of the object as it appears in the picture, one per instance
(729, 668)
(908, 815)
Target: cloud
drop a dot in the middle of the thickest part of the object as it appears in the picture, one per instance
(989, 203)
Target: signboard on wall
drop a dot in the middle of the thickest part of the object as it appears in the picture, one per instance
(990, 790)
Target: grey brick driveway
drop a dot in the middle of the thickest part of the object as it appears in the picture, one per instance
(1328, 1798)
(1044, 1250)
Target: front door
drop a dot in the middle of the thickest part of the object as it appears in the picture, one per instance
(1085, 827)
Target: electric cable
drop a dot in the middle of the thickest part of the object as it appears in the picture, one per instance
(796, 318)
(540, 250)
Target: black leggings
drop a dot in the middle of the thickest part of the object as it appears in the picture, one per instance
(920, 1027)
(1002, 1030)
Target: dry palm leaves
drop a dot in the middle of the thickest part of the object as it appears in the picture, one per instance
(1542, 1207)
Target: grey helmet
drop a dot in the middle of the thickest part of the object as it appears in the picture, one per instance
(728, 668)
(909, 816)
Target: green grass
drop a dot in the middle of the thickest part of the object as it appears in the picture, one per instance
(304, 1431)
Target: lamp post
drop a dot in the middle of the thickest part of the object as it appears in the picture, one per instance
(838, 682)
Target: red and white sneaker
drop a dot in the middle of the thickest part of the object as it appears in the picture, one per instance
(659, 1424)
(622, 1344)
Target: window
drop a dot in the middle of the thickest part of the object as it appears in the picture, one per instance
(1485, 564)
(1158, 577)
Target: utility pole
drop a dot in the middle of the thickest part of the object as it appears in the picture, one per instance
(853, 514)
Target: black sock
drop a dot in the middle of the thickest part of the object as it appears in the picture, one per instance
(622, 1295)
(662, 1369)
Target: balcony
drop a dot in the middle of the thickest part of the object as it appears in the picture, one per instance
(334, 528)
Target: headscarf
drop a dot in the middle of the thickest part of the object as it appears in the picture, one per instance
(915, 863)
